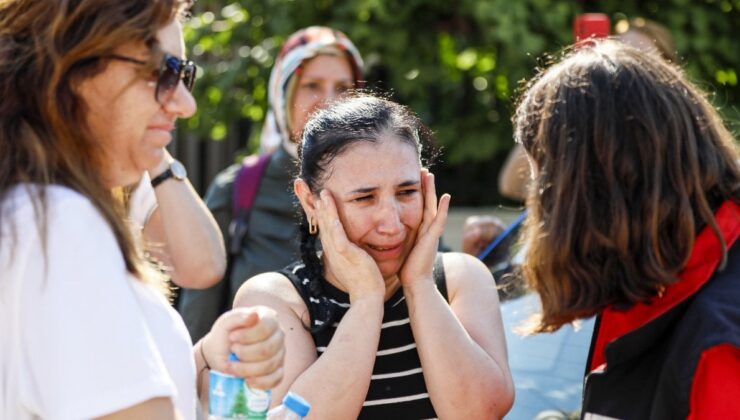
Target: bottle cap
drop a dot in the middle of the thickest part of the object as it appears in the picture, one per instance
(296, 404)
(233, 358)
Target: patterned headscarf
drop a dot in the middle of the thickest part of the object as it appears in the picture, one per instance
(301, 46)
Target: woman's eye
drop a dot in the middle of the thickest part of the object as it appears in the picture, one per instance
(343, 88)
(311, 86)
(408, 193)
(363, 198)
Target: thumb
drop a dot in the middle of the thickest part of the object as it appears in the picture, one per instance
(240, 318)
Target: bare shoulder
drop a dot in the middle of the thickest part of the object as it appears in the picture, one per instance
(465, 273)
(270, 289)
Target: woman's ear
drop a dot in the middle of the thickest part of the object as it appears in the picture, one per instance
(305, 196)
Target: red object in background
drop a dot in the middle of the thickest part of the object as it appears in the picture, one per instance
(591, 25)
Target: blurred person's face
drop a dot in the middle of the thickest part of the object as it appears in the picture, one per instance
(321, 80)
(132, 127)
(377, 190)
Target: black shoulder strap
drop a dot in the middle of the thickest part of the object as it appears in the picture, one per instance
(438, 272)
(246, 186)
(298, 283)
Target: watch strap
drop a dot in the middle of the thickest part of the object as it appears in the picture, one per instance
(162, 177)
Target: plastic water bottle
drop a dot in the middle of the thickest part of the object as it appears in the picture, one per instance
(229, 397)
(293, 408)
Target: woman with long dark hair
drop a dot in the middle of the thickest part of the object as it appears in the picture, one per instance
(378, 325)
(634, 216)
(315, 65)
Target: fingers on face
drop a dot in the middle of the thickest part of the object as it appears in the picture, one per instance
(441, 217)
(329, 224)
(435, 213)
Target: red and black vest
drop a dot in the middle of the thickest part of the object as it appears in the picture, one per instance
(642, 360)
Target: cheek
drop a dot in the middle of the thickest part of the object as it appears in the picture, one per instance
(303, 105)
(357, 222)
(412, 213)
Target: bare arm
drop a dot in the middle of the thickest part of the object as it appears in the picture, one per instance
(188, 237)
(461, 346)
(465, 368)
(336, 383)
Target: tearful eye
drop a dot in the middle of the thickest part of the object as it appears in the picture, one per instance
(408, 192)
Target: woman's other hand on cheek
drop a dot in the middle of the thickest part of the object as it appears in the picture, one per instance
(418, 265)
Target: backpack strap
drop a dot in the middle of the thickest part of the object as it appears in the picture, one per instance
(246, 186)
(438, 273)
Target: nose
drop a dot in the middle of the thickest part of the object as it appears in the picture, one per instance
(181, 103)
(330, 94)
(388, 218)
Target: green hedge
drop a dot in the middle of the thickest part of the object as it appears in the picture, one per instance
(456, 63)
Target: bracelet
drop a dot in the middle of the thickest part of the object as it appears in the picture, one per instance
(208, 366)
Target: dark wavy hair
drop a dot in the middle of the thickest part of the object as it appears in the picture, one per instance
(47, 47)
(629, 160)
(358, 117)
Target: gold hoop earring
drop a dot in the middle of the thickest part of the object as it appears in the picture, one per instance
(312, 228)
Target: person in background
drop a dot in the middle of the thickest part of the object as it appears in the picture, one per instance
(91, 90)
(378, 324)
(634, 217)
(648, 36)
(314, 66)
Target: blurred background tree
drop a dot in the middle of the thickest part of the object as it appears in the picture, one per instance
(458, 64)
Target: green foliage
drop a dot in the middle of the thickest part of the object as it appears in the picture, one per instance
(456, 63)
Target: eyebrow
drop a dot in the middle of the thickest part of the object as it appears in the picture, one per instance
(366, 190)
(314, 78)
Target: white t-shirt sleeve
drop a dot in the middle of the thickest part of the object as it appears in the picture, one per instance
(143, 202)
(86, 344)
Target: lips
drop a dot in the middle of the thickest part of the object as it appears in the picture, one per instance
(163, 127)
(385, 251)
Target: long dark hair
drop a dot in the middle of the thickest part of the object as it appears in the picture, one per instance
(46, 49)
(356, 117)
(629, 160)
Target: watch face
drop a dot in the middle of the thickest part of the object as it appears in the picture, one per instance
(178, 170)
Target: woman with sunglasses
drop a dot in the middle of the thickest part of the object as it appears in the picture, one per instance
(91, 90)
(178, 230)
(314, 66)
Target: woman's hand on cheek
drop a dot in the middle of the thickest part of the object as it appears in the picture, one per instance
(254, 336)
(349, 264)
(418, 265)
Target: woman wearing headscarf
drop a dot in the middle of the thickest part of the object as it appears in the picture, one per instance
(314, 66)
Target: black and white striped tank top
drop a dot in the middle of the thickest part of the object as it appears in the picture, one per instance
(397, 389)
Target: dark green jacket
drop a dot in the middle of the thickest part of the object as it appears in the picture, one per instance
(271, 243)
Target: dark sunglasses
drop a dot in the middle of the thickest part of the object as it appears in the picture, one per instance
(170, 72)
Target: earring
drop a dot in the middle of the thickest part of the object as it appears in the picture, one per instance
(312, 228)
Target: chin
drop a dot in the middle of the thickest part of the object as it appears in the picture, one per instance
(157, 138)
(389, 269)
